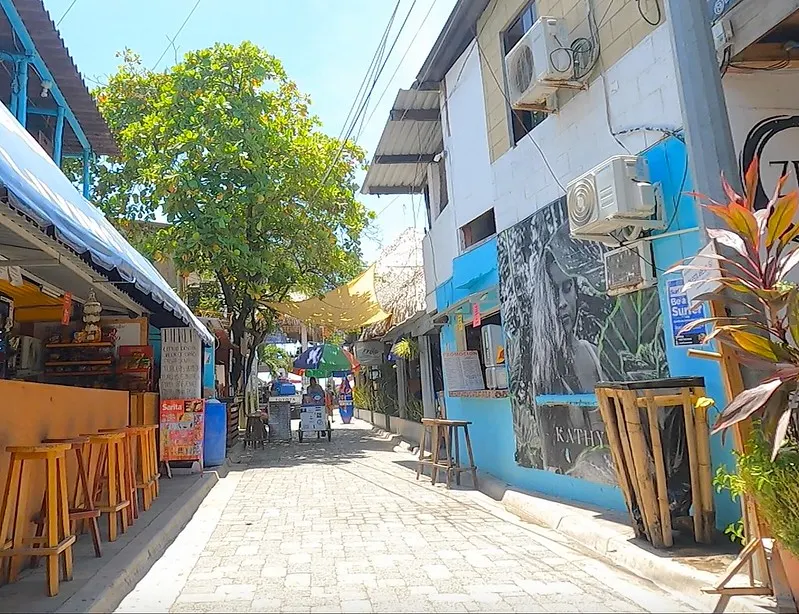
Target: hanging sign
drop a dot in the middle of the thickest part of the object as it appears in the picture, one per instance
(182, 428)
(476, 314)
(66, 310)
(459, 321)
(681, 313)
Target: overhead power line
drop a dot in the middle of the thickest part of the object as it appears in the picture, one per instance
(180, 29)
(69, 8)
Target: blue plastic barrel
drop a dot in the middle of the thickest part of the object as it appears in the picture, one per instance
(215, 438)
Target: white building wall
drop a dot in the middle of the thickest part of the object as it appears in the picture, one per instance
(465, 139)
(769, 100)
(469, 176)
(641, 92)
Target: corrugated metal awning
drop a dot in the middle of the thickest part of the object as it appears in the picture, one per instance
(410, 141)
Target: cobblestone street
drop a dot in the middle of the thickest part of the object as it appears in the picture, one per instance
(345, 527)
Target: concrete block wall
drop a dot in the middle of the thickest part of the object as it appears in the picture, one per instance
(619, 22)
(641, 92)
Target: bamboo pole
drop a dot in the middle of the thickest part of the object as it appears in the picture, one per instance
(629, 464)
(644, 470)
(660, 469)
(696, 490)
(705, 471)
(614, 441)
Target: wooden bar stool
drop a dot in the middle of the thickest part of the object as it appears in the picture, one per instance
(82, 508)
(57, 539)
(107, 477)
(143, 474)
(129, 483)
(449, 431)
(152, 455)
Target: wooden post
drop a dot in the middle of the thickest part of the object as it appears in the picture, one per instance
(643, 468)
(608, 413)
(652, 411)
(705, 471)
(696, 492)
(621, 422)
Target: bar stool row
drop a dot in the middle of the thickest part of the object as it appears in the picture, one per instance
(113, 466)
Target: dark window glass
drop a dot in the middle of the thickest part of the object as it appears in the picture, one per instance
(478, 229)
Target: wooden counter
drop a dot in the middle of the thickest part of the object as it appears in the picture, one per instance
(30, 412)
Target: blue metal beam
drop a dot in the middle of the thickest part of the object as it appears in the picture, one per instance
(41, 68)
(22, 92)
(86, 173)
(58, 139)
(38, 111)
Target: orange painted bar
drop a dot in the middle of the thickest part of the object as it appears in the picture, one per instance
(30, 412)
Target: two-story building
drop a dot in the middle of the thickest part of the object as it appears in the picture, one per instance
(505, 171)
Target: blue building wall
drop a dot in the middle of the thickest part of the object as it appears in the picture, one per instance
(492, 430)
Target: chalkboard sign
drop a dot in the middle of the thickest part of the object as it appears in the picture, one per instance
(181, 364)
(462, 371)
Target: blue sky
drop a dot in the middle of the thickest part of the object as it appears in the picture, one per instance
(325, 45)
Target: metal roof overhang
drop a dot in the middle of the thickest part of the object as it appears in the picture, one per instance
(410, 141)
(44, 216)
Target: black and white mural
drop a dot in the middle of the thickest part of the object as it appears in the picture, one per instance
(564, 334)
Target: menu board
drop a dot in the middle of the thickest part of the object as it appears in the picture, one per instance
(182, 426)
(462, 371)
(181, 364)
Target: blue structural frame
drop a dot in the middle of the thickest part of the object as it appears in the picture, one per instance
(493, 438)
(19, 98)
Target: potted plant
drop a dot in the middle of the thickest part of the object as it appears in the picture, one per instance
(764, 334)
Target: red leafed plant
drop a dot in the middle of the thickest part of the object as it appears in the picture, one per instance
(765, 335)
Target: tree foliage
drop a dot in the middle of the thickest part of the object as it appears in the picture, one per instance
(274, 358)
(224, 144)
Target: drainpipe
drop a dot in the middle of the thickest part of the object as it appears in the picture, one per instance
(402, 386)
(711, 152)
(59, 136)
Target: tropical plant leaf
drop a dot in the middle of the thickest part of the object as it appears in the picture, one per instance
(750, 183)
(746, 404)
(781, 217)
(783, 422)
(732, 240)
(756, 345)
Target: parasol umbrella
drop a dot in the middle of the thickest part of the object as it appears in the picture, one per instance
(325, 360)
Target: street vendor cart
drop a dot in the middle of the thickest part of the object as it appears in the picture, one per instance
(324, 360)
(313, 418)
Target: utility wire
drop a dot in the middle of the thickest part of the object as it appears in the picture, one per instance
(362, 107)
(180, 29)
(69, 8)
(402, 59)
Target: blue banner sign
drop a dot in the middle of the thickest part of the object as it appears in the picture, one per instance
(681, 313)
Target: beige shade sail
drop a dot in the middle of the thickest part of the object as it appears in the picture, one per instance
(348, 307)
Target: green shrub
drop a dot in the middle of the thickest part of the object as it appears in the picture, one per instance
(774, 485)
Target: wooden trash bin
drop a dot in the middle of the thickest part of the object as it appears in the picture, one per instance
(633, 413)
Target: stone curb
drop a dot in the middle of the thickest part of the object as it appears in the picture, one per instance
(605, 541)
(121, 574)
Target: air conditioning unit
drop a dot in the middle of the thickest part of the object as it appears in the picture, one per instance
(539, 63)
(615, 195)
(629, 268)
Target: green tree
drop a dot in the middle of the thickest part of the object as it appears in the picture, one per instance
(256, 195)
(274, 358)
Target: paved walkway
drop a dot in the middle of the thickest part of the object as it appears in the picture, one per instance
(345, 527)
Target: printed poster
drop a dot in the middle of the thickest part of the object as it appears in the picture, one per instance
(182, 429)
(681, 313)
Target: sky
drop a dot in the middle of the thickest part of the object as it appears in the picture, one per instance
(326, 47)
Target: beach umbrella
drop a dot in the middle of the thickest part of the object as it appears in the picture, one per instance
(325, 360)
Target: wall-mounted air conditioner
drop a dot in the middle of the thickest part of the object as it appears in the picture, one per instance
(615, 195)
(539, 64)
(629, 268)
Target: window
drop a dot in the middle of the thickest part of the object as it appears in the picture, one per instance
(522, 122)
(478, 229)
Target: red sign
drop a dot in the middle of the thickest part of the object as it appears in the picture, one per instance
(182, 428)
(66, 311)
(476, 314)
